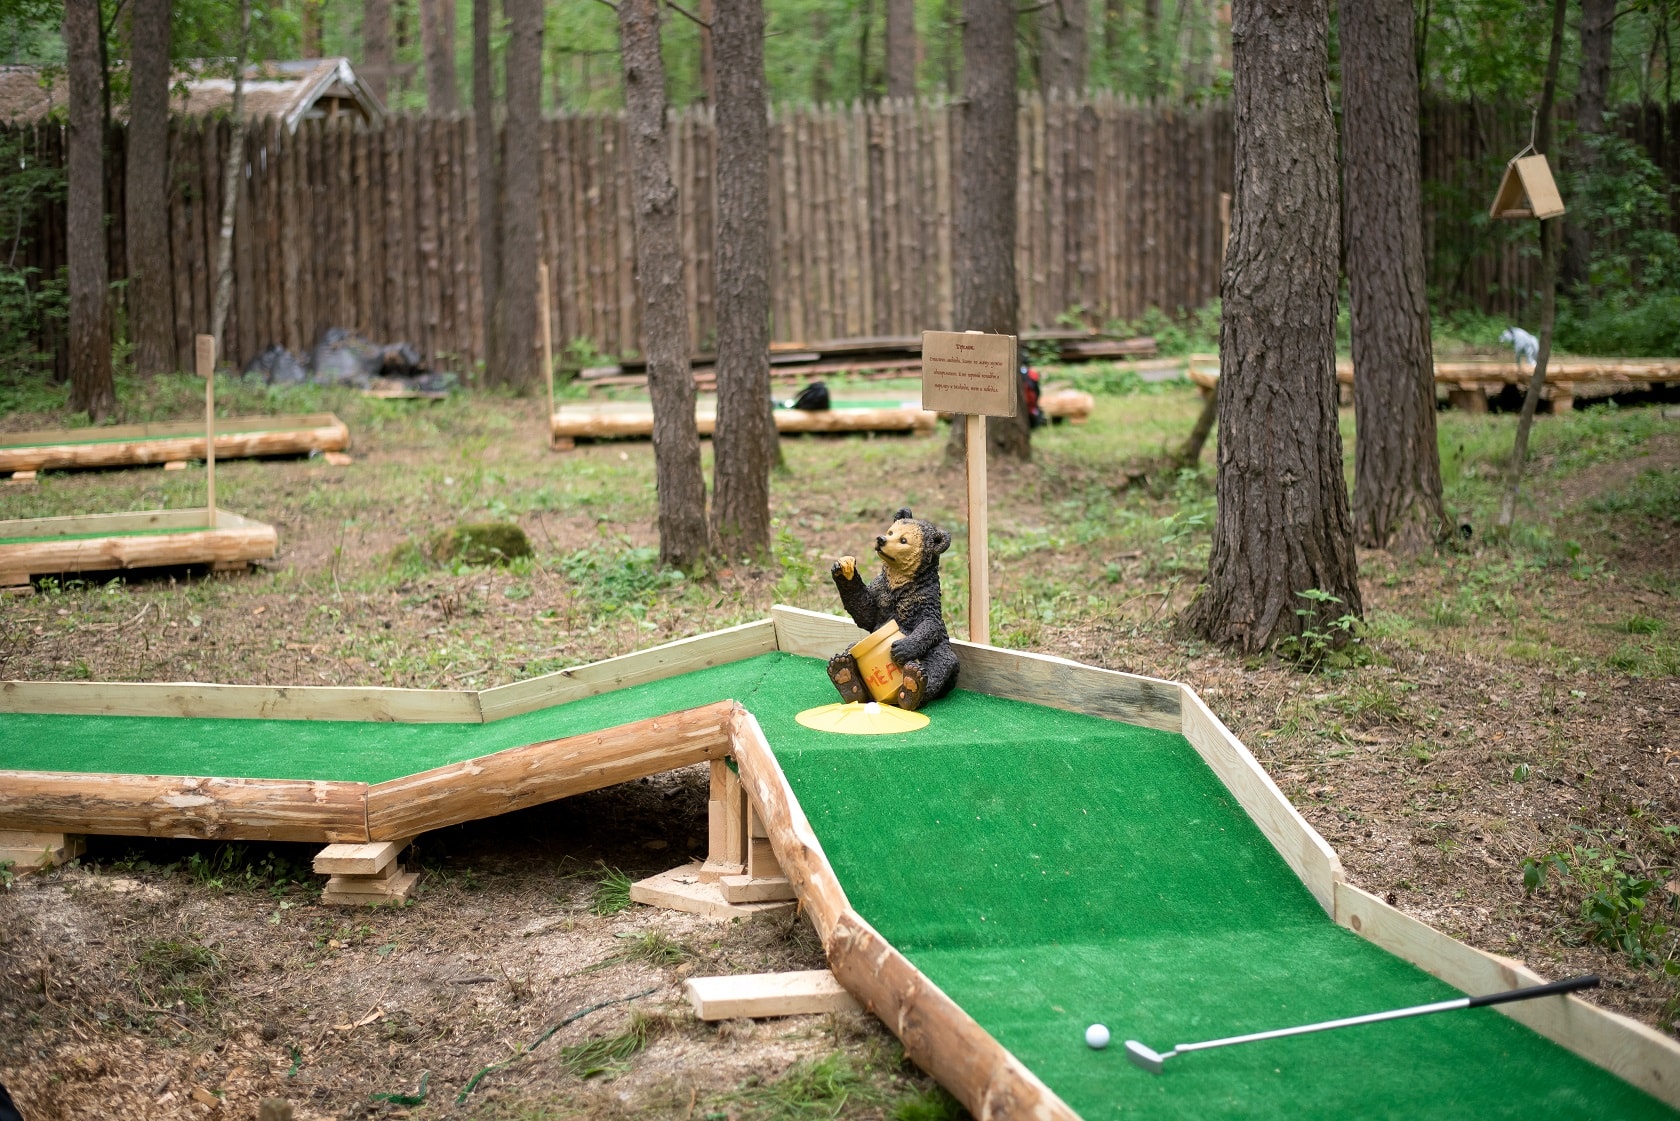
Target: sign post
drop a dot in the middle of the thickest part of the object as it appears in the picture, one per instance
(974, 374)
(204, 351)
(548, 346)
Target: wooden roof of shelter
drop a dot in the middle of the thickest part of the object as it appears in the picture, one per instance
(292, 89)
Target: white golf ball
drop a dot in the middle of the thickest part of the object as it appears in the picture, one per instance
(1096, 1037)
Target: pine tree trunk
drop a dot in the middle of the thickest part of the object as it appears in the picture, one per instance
(91, 387)
(489, 166)
(375, 70)
(309, 28)
(151, 284)
(707, 11)
(437, 33)
(1591, 89)
(984, 241)
(744, 445)
(901, 49)
(1397, 466)
(661, 291)
(230, 191)
(1061, 47)
(1283, 526)
(516, 304)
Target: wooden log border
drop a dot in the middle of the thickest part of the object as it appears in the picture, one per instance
(942, 1038)
(233, 539)
(131, 444)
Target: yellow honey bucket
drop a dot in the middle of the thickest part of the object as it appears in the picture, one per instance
(874, 658)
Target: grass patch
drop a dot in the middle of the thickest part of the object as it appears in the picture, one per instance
(177, 971)
(650, 947)
(810, 1089)
(610, 1056)
(612, 892)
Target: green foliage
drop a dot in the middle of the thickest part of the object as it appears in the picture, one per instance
(1654, 493)
(1193, 332)
(28, 301)
(811, 1088)
(1325, 641)
(797, 570)
(612, 892)
(629, 580)
(238, 868)
(611, 1055)
(481, 543)
(935, 1104)
(170, 970)
(1618, 907)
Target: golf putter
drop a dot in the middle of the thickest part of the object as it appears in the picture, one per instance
(1151, 1060)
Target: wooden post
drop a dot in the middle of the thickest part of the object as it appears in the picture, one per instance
(979, 571)
(548, 345)
(206, 355)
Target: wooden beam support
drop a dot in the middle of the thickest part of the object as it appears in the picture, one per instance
(682, 889)
(30, 851)
(366, 859)
(760, 995)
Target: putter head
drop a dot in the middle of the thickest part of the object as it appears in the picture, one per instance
(1145, 1057)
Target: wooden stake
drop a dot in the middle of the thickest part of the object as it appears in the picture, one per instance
(206, 354)
(548, 345)
(979, 573)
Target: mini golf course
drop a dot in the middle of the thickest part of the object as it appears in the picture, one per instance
(1042, 868)
(133, 444)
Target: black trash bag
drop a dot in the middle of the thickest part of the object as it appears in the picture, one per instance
(345, 358)
(277, 366)
(813, 399)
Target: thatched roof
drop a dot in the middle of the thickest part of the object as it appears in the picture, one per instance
(293, 90)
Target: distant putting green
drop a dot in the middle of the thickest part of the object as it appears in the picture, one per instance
(1047, 870)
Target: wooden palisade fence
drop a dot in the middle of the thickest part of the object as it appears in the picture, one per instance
(373, 228)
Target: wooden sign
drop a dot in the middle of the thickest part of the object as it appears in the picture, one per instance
(968, 372)
(1527, 191)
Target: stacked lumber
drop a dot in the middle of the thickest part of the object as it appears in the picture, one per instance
(126, 445)
(29, 851)
(360, 874)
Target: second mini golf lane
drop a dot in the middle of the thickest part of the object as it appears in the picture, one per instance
(1047, 870)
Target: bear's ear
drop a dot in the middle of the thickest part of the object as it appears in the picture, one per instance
(904, 515)
(941, 541)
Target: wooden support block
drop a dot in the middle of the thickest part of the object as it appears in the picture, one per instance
(721, 858)
(681, 889)
(761, 860)
(30, 851)
(16, 584)
(22, 478)
(757, 995)
(337, 459)
(357, 890)
(564, 443)
(1563, 401)
(755, 889)
(175, 465)
(232, 566)
(357, 860)
(1470, 400)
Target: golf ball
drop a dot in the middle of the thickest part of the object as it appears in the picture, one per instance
(1096, 1037)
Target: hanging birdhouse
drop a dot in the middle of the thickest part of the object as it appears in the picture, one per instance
(1527, 191)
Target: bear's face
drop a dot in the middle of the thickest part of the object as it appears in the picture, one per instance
(908, 546)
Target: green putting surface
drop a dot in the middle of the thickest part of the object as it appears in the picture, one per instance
(1045, 869)
(151, 532)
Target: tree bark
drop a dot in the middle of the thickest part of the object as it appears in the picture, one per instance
(1283, 526)
(1061, 47)
(744, 444)
(489, 166)
(91, 387)
(151, 285)
(985, 296)
(437, 33)
(1152, 47)
(683, 540)
(309, 28)
(901, 49)
(1550, 235)
(1591, 89)
(1190, 454)
(230, 190)
(516, 303)
(707, 11)
(376, 48)
(1397, 502)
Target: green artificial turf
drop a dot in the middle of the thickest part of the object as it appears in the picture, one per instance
(1045, 869)
(151, 532)
(224, 426)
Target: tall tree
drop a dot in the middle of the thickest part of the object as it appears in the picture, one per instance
(1061, 46)
(309, 28)
(744, 445)
(1283, 526)
(91, 387)
(437, 34)
(376, 48)
(487, 154)
(901, 49)
(230, 188)
(516, 295)
(151, 288)
(707, 11)
(1598, 24)
(1397, 465)
(683, 538)
(984, 241)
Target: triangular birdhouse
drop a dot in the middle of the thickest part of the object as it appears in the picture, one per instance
(1527, 191)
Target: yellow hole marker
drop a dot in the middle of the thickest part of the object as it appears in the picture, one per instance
(868, 719)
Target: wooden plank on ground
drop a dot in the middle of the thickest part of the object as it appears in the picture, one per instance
(1306, 853)
(206, 809)
(1625, 1047)
(683, 656)
(357, 860)
(754, 996)
(521, 777)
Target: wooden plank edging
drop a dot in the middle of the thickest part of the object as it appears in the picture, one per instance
(132, 444)
(1625, 1047)
(240, 702)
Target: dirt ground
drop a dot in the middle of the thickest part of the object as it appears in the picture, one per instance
(1512, 701)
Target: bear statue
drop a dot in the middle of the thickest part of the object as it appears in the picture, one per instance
(906, 592)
